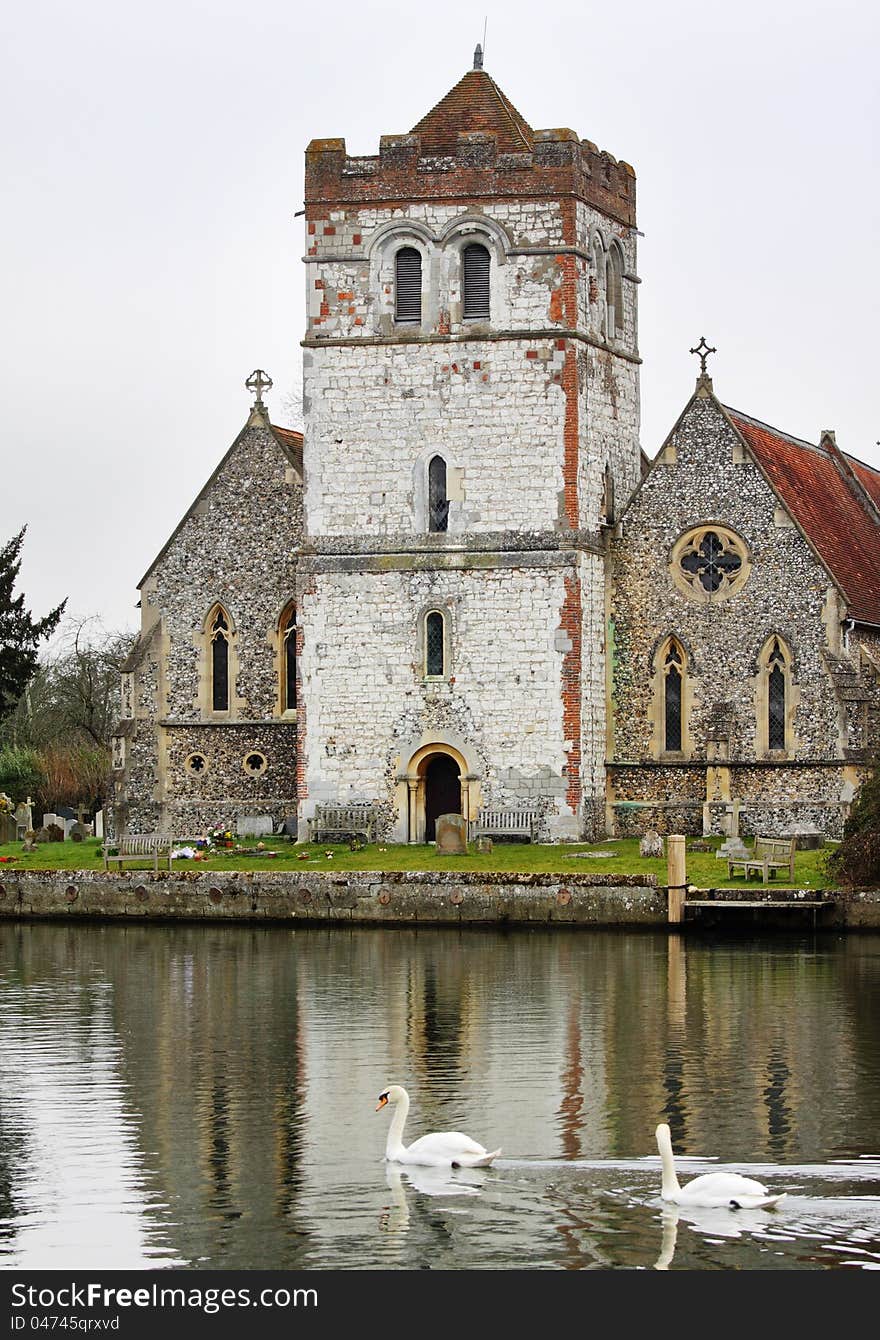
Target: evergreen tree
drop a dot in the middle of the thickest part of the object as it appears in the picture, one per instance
(856, 862)
(19, 633)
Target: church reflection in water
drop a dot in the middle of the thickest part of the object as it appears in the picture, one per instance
(205, 1095)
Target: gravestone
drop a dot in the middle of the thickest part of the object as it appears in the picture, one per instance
(50, 818)
(651, 844)
(99, 824)
(78, 831)
(483, 845)
(807, 837)
(30, 839)
(55, 832)
(451, 835)
(732, 849)
(290, 825)
(24, 819)
(7, 827)
(43, 835)
(253, 825)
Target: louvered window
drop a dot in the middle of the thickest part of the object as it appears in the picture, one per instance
(615, 293)
(438, 503)
(408, 285)
(220, 664)
(434, 649)
(475, 263)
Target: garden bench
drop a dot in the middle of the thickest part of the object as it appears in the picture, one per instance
(768, 855)
(492, 823)
(138, 847)
(343, 822)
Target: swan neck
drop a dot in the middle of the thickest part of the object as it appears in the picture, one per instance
(670, 1186)
(394, 1143)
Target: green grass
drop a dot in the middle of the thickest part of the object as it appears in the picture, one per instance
(704, 870)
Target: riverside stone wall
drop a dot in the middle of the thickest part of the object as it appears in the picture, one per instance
(393, 899)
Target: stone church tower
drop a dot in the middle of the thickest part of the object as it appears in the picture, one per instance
(471, 394)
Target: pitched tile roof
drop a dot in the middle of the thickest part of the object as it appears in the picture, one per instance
(831, 508)
(476, 103)
(292, 442)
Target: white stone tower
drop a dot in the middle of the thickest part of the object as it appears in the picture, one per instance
(471, 400)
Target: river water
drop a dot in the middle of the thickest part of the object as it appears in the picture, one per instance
(203, 1097)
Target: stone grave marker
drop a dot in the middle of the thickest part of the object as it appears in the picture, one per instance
(651, 844)
(451, 835)
(253, 825)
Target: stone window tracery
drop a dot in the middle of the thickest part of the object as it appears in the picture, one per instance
(673, 671)
(776, 698)
(196, 765)
(254, 763)
(670, 709)
(220, 662)
(710, 563)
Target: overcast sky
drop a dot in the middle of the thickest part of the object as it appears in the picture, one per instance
(153, 163)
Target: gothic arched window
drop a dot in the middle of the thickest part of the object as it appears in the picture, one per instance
(287, 631)
(219, 634)
(776, 696)
(475, 282)
(408, 286)
(673, 679)
(438, 501)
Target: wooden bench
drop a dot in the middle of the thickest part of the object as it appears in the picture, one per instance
(138, 847)
(343, 822)
(768, 855)
(516, 823)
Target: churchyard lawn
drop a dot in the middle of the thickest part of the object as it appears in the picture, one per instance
(704, 870)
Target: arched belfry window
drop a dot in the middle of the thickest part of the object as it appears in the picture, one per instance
(438, 500)
(287, 630)
(673, 680)
(219, 634)
(475, 282)
(614, 284)
(408, 286)
(435, 645)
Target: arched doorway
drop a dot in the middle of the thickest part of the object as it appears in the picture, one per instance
(442, 791)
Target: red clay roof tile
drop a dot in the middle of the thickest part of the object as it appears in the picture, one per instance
(826, 505)
(476, 103)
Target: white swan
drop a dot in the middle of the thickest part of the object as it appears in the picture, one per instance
(444, 1149)
(717, 1189)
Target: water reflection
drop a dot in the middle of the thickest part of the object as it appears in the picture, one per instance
(205, 1095)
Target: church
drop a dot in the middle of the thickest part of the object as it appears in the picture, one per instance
(464, 586)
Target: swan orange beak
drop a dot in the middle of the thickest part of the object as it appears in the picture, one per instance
(381, 1103)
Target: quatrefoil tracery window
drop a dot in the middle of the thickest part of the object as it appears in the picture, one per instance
(710, 563)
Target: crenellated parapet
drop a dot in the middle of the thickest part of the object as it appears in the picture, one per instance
(558, 164)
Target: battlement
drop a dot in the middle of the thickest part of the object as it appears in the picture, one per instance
(558, 164)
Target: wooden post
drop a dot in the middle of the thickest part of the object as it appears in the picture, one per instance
(676, 875)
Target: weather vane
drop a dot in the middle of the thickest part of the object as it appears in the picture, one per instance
(258, 382)
(703, 350)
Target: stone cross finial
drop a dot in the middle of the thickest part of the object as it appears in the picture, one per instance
(478, 58)
(703, 350)
(258, 382)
